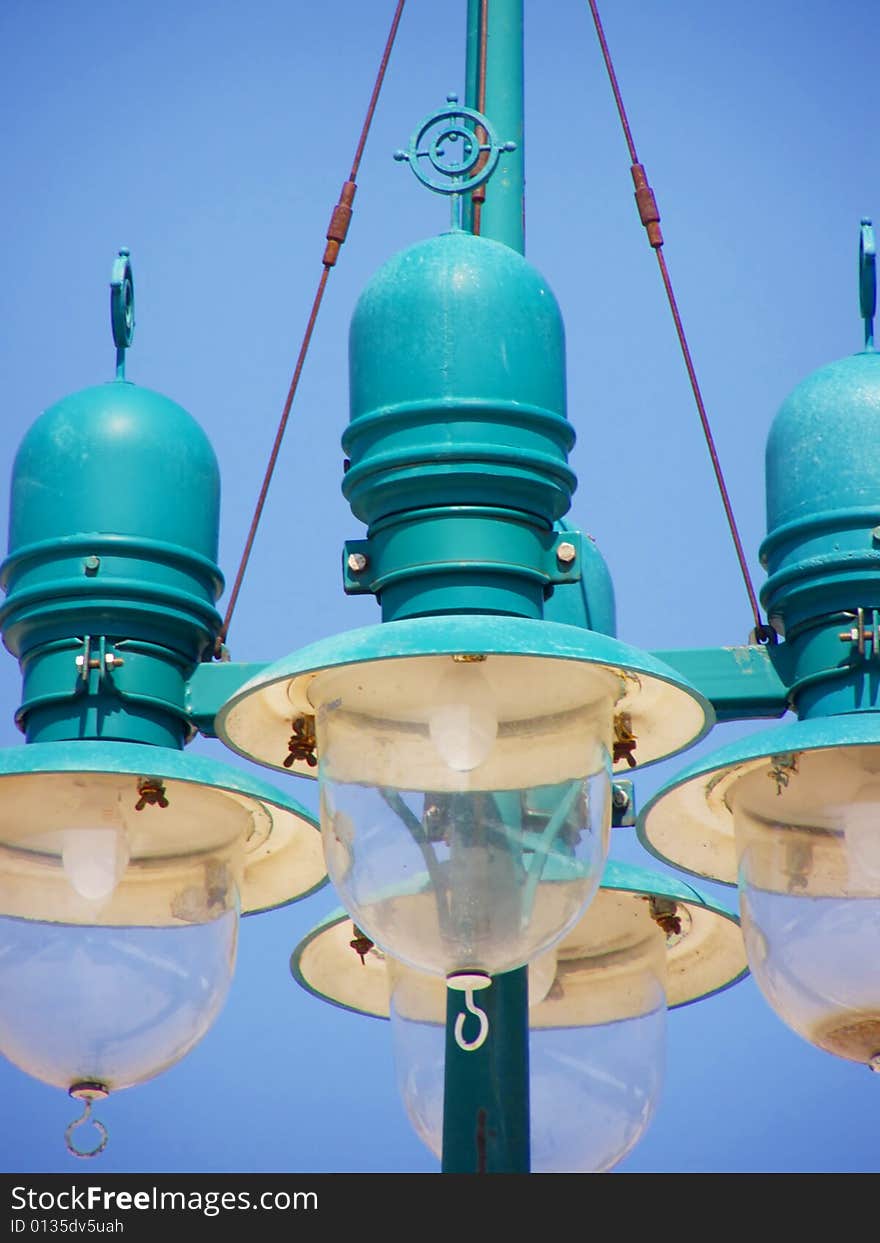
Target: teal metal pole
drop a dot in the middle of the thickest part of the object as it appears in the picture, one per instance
(486, 1090)
(486, 1094)
(503, 213)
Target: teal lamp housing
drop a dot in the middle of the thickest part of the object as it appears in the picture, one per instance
(791, 814)
(431, 732)
(597, 1012)
(124, 862)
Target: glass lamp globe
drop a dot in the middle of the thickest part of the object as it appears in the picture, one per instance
(597, 1012)
(440, 835)
(120, 896)
(597, 1041)
(464, 765)
(791, 816)
(807, 832)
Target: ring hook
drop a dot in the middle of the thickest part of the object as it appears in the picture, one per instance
(470, 1045)
(88, 1093)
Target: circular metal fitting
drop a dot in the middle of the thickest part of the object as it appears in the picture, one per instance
(357, 562)
(457, 144)
(566, 552)
(465, 981)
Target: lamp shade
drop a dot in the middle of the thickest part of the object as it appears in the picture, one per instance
(663, 712)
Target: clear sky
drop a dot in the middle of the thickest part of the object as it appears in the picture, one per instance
(212, 139)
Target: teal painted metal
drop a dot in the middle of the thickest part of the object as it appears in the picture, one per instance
(447, 635)
(455, 149)
(211, 684)
(458, 404)
(502, 214)
(122, 308)
(111, 573)
(741, 683)
(502, 552)
(822, 550)
(588, 601)
(490, 1096)
(868, 280)
(486, 1090)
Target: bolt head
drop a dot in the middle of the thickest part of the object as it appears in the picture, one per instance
(357, 562)
(566, 553)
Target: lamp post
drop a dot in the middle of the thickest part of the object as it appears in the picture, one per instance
(299, 536)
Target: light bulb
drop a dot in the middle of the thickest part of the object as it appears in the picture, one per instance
(94, 860)
(462, 720)
(808, 841)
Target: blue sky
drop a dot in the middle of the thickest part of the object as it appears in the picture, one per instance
(212, 139)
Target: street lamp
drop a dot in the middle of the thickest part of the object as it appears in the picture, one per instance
(746, 682)
(124, 863)
(436, 733)
(790, 814)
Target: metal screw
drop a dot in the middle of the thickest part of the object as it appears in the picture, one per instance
(357, 562)
(566, 553)
(875, 534)
(619, 796)
(91, 565)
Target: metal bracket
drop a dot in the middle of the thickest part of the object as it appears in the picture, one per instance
(105, 662)
(866, 638)
(558, 562)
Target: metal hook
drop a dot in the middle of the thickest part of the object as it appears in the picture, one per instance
(88, 1093)
(470, 1045)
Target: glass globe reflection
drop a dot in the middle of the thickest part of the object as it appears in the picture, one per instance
(808, 843)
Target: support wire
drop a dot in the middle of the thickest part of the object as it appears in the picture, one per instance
(650, 218)
(336, 234)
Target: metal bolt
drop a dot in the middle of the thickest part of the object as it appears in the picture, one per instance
(875, 534)
(619, 796)
(110, 662)
(566, 553)
(91, 565)
(357, 562)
